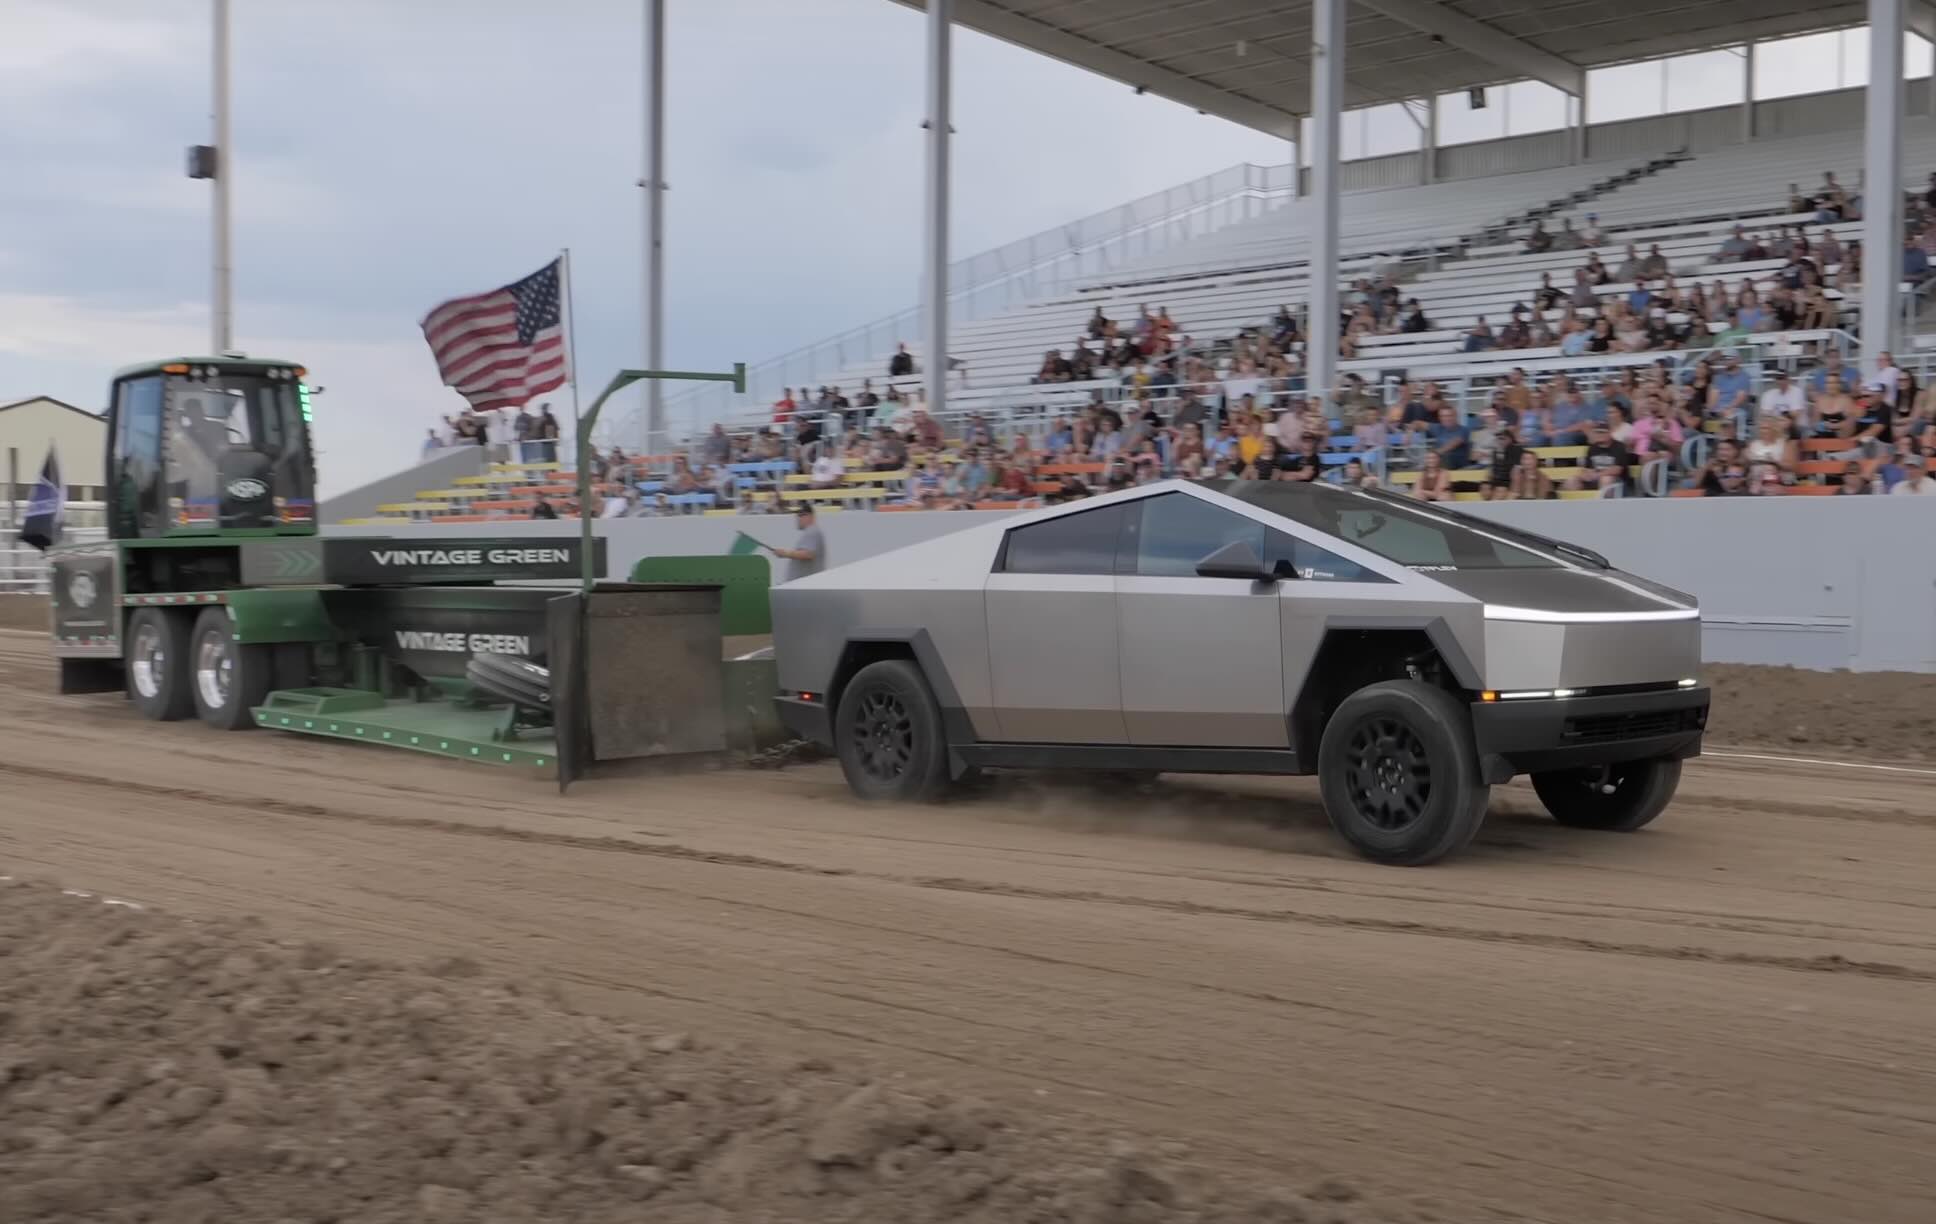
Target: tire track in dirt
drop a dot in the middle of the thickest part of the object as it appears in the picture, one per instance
(1825, 963)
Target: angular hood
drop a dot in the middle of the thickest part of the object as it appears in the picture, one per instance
(1569, 592)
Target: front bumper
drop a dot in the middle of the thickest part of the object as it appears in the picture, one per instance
(806, 719)
(1533, 735)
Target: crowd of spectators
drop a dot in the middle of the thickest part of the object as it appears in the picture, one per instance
(1174, 406)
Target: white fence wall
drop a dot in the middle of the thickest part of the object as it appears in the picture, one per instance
(1822, 583)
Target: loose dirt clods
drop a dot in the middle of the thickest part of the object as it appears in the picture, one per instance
(153, 1069)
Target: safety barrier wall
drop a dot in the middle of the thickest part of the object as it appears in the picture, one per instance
(1822, 583)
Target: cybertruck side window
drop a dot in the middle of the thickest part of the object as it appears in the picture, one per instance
(1081, 543)
(1175, 531)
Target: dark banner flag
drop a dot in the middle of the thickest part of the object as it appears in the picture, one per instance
(42, 526)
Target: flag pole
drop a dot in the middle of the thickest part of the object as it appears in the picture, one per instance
(571, 348)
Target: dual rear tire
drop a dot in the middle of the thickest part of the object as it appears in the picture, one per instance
(181, 664)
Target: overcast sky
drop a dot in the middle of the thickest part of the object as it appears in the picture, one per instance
(391, 155)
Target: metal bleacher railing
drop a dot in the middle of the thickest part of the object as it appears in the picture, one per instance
(1044, 263)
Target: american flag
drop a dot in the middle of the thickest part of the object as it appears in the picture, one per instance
(499, 349)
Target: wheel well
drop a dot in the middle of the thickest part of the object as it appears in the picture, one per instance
(856, 655)
(1350, 659)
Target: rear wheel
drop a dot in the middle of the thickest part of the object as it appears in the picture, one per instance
(227, 678)
(887, 732)
(157, 664)
(1398, 773)
(1616, 798)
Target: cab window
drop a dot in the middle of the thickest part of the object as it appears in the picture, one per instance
(1175, 531)
(1080, 543)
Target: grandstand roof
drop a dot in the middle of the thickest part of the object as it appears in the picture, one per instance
(1249, 60)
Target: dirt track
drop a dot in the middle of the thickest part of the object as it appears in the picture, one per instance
(1727, 1017)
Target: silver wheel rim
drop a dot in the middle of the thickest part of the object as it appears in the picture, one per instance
(214, 670)
(148, 661)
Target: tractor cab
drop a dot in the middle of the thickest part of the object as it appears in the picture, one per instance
(210, 446)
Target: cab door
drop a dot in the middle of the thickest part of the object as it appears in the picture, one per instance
(1201, 659)
(1051, 606)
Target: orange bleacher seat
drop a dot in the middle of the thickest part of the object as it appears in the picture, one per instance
(1687, 493)
(1831, 446)
(1820, 467)
(1069, 469)
(1812, 490)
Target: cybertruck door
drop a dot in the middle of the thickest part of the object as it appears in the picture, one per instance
(1201, 658)
(1051, 606)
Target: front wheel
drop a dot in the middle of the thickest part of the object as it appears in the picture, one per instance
(1616, 798)
(1398, 773)
(228, 679)
(887, 732)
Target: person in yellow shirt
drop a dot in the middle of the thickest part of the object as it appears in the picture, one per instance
(1251, 444)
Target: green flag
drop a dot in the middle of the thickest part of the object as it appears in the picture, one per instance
(743, 545)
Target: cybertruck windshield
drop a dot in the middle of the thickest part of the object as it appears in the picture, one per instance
(1395, 529)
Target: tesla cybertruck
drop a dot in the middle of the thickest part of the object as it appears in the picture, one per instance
(1409, 656)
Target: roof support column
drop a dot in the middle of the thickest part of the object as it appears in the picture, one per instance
(1327, 100)
(935, 259)
(1428, 153)
(1882, 182)
(1747, 92)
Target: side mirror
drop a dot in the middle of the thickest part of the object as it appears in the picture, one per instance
(1236, 559)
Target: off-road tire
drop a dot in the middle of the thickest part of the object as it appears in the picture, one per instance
(1399, 775)
(514, 680)
(1617, 799)
(888, 734)
(225, 701)
(156, 663)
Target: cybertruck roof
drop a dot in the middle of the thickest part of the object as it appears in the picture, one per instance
(1434, 551)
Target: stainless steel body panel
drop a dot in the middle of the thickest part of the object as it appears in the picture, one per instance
(1201, 661)
(1052, 657)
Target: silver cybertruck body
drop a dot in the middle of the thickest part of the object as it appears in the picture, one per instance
(1408, 655)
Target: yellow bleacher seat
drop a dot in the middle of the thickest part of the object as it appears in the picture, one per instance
(1579, 494)
(833, 495)
(412, 507)
(721, 512)
(1560, 454)
(889, 477)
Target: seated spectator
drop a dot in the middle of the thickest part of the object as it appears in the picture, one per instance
(1605, 464)
(901, 365)
(1831, 202)
(1370, 433)
(1725, 474)
(1600, 339)
(1915, 262)
(1573, 338)
(1055, 368)
(1771, 455)
(1305, 463)
(1434, 482)
(1734, 248)
(1655, 265)
(1855, 482)
(829, 470)
(1596, 272)
(1583, 297)
(1632, 268)
(1656, 433)
(1355, 476)
(1828, 251)
(1529, 482)
(1784, 400)
(1548, 294)
(1593, 235)
(1099, 325)
(1733, 390)
(1797, 202)
(1480, 338)
(1415, 320)
(1515, 334)
(1907, 472)
(1506, 456)
(1568, 239)
(1538, 241)
(1108, 441)
(1450, 440)
(1571, 418)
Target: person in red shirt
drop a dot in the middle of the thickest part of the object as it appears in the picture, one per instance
(785, 407)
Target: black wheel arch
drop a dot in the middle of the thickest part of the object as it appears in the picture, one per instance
(872, 644)
(1357, 651)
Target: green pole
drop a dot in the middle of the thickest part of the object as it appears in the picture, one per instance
(624, 378)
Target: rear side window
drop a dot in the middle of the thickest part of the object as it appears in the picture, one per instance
(1082, 543)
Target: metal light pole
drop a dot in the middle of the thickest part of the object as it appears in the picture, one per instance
(654, 184)
(224, 313)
